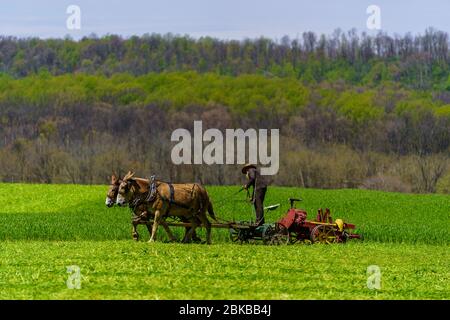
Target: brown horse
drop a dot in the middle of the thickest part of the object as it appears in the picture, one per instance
(139, 212)
(189, 201)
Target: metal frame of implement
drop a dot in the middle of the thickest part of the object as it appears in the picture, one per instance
(292, 228)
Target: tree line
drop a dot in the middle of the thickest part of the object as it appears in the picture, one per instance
(417, 61)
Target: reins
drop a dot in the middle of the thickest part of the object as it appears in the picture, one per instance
(221, 201)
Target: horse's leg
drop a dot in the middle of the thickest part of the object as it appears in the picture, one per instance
(188, 235)
(164, 224)
(168, 231)
(186, 230)
(134, 233)
(147, 216)
(195, 238)
(205, 222)
(149, 228)
(156, 222)
(193, 234)
(140, 216)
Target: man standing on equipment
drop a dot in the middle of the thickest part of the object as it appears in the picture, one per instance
(259, 190)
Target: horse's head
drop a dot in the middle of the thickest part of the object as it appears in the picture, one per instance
(113, 191)
(125, 190)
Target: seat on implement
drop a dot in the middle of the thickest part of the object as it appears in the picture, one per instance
(272, 207)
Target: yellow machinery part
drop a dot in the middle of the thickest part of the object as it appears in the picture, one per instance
(340, 224)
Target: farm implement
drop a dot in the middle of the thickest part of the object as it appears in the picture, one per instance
(292, 228)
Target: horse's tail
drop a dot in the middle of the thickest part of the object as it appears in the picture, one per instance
(211, 211)
(205, 202)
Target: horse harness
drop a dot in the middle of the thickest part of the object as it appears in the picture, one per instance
(153, 193)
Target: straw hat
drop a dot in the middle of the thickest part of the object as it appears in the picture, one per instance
(248, 166)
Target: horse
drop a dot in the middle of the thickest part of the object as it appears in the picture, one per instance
(189, 201)
(139, 212)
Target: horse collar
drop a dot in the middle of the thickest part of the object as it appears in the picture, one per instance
(152, 190)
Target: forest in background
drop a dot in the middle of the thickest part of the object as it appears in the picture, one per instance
(354, 111)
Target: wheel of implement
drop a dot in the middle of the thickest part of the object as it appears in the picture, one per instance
(268, 234)
(239, 235)
(324, 234)
(234, 235)
(293, 239)
(345, 236)
(281, 237)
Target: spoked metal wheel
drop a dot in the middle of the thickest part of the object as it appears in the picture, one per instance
(324, 234)
(267, 234)
(281, 237)
(239, 236)
(234, 235)
(293, 239)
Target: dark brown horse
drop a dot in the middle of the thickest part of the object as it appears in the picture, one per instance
(189, 201)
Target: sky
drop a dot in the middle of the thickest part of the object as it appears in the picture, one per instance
(225, 19)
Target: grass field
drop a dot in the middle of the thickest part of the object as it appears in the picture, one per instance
(46, 228)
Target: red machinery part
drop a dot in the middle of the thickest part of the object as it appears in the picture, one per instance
(296, 216)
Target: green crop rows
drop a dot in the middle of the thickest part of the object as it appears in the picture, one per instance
(45, 228)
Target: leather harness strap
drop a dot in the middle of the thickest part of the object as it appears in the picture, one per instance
(153, 191)
(172, 197)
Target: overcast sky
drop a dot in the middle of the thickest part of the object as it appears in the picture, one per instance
(227, 19)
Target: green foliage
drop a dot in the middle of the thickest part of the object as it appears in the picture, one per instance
(135, 271)
(242, 94)
(51, 227)
(349, 57)
(379, 73)
(443, 111)
(359, 107)
(415, 106)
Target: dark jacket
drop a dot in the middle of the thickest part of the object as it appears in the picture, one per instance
(256, 179)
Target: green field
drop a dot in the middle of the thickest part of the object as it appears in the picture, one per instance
(46, 228)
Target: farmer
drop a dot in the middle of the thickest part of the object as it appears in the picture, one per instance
(259, 184)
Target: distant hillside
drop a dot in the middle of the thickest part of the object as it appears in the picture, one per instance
(420, 61)
(78, 128)
(386, 118)
(354, 111)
